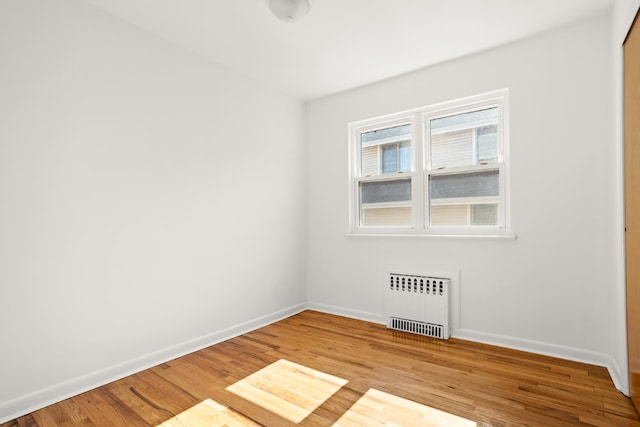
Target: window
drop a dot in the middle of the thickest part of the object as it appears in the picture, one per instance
(435, 170)
(384, 189)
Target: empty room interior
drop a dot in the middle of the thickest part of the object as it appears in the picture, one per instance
(379, 208)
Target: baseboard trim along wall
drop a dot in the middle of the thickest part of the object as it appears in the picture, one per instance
(562, 352)
(58, 392)
(347, 312)
(39, 399)
(546, 349)
(617, 376)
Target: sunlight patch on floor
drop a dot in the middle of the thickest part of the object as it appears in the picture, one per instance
(288, 389)
(294, 391)
(377, 408)
(211, 414)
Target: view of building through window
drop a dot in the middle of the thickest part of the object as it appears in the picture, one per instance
(386, 151)
(470, 197)
(432, 169)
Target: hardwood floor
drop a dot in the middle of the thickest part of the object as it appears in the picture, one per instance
(315, 369)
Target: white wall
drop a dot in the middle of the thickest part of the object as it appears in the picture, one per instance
(548, 291)
(146, 202)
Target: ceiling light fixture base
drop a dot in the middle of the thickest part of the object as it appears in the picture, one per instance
(289, 11)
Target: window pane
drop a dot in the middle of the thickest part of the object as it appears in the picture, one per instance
(396, 157)
(370, 161)
(389, 158)
(398, 190)
(464, 139)
(469, 184)
(386, 203)
(487, 137)
(450, 215)
(464, 199)
(464, 214)
(400, 216)
(381, 134)
(484, 214)
(385, 150)
(405, 156)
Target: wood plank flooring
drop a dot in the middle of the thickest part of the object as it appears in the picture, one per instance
(315, 369)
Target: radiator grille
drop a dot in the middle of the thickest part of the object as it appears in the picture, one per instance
(418, 304)
(416, 327)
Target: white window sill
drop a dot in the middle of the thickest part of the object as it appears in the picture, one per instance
(506, 236)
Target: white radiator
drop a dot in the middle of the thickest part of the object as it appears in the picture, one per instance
(418, 304)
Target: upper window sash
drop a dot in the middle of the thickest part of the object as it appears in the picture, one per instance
(448, 109)
(358, 145)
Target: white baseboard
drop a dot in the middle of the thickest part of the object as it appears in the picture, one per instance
(39, 399)
(538, 347)
(347, 312)
(562, 352)
(618, 376)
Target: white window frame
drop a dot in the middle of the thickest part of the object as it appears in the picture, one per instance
(421, 170)
(356, 178)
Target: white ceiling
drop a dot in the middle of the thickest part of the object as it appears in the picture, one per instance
(344, 44)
